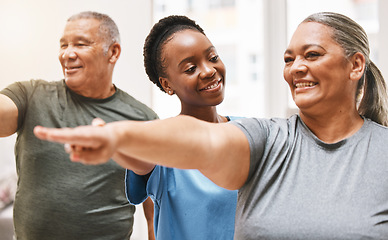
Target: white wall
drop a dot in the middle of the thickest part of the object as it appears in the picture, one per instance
(30, 32)
(29, 44)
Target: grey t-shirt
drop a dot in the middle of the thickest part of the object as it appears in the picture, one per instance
(56, 198)
(302, 188)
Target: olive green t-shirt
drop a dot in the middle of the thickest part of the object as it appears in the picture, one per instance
(56, 198)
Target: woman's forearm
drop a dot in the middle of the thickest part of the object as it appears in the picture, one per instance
(176, 142)
(135, 165)
(188, 143)
(219, 151)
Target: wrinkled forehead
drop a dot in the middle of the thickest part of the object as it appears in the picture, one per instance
(308, 33)
(81, 28)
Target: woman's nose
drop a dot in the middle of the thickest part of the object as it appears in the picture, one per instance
(298, 66)
(208, 72)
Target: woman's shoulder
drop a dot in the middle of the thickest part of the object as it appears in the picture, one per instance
(371, 126)
(269, 122)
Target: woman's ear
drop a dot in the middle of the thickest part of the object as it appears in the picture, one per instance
(166, 86)
(114, 52)
(358, 66)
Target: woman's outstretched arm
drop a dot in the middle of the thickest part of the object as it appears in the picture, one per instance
(219, 151)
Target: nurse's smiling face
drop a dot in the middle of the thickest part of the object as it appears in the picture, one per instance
(193, 69)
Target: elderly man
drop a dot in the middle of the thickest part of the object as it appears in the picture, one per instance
(57, 199)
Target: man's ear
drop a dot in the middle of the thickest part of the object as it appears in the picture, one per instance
(358, 66)
(166, 86)
(114, 52)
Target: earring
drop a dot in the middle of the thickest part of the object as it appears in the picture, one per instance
(170, 92)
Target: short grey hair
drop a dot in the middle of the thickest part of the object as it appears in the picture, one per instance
(108, 28)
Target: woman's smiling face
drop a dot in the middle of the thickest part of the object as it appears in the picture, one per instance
(316, 68)
(193, 69)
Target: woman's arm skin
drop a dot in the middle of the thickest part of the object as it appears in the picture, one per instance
(148, 208)
(139, 167)
(219, 151)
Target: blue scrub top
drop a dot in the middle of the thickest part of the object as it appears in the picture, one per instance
(187, 204)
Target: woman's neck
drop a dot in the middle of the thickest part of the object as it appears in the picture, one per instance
(208, 114)
(335, 127)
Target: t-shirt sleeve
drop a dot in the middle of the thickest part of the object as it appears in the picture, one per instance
(135, 187)
(256, 131)
(18, 92)
(138, 188)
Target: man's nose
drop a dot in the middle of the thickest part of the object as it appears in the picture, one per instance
(68, 53)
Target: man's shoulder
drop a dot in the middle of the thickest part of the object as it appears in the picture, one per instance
(136, 104)
(35, 84)
(29, 87)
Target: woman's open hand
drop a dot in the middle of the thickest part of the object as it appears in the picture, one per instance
(86, 144)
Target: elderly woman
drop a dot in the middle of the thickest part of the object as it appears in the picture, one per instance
(320, 174)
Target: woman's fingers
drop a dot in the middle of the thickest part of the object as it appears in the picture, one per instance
(98, 122)
(85, 136)
(85, 144)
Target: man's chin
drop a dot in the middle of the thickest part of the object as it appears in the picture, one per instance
(72, 81)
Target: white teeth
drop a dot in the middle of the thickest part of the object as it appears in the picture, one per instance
(212, 86)
(304, 84)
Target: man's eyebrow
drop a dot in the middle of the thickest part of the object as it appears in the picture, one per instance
(76, 39)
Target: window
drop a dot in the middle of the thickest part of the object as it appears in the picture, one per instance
(221, 3)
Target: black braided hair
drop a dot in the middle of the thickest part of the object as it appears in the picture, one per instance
(161, 33)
